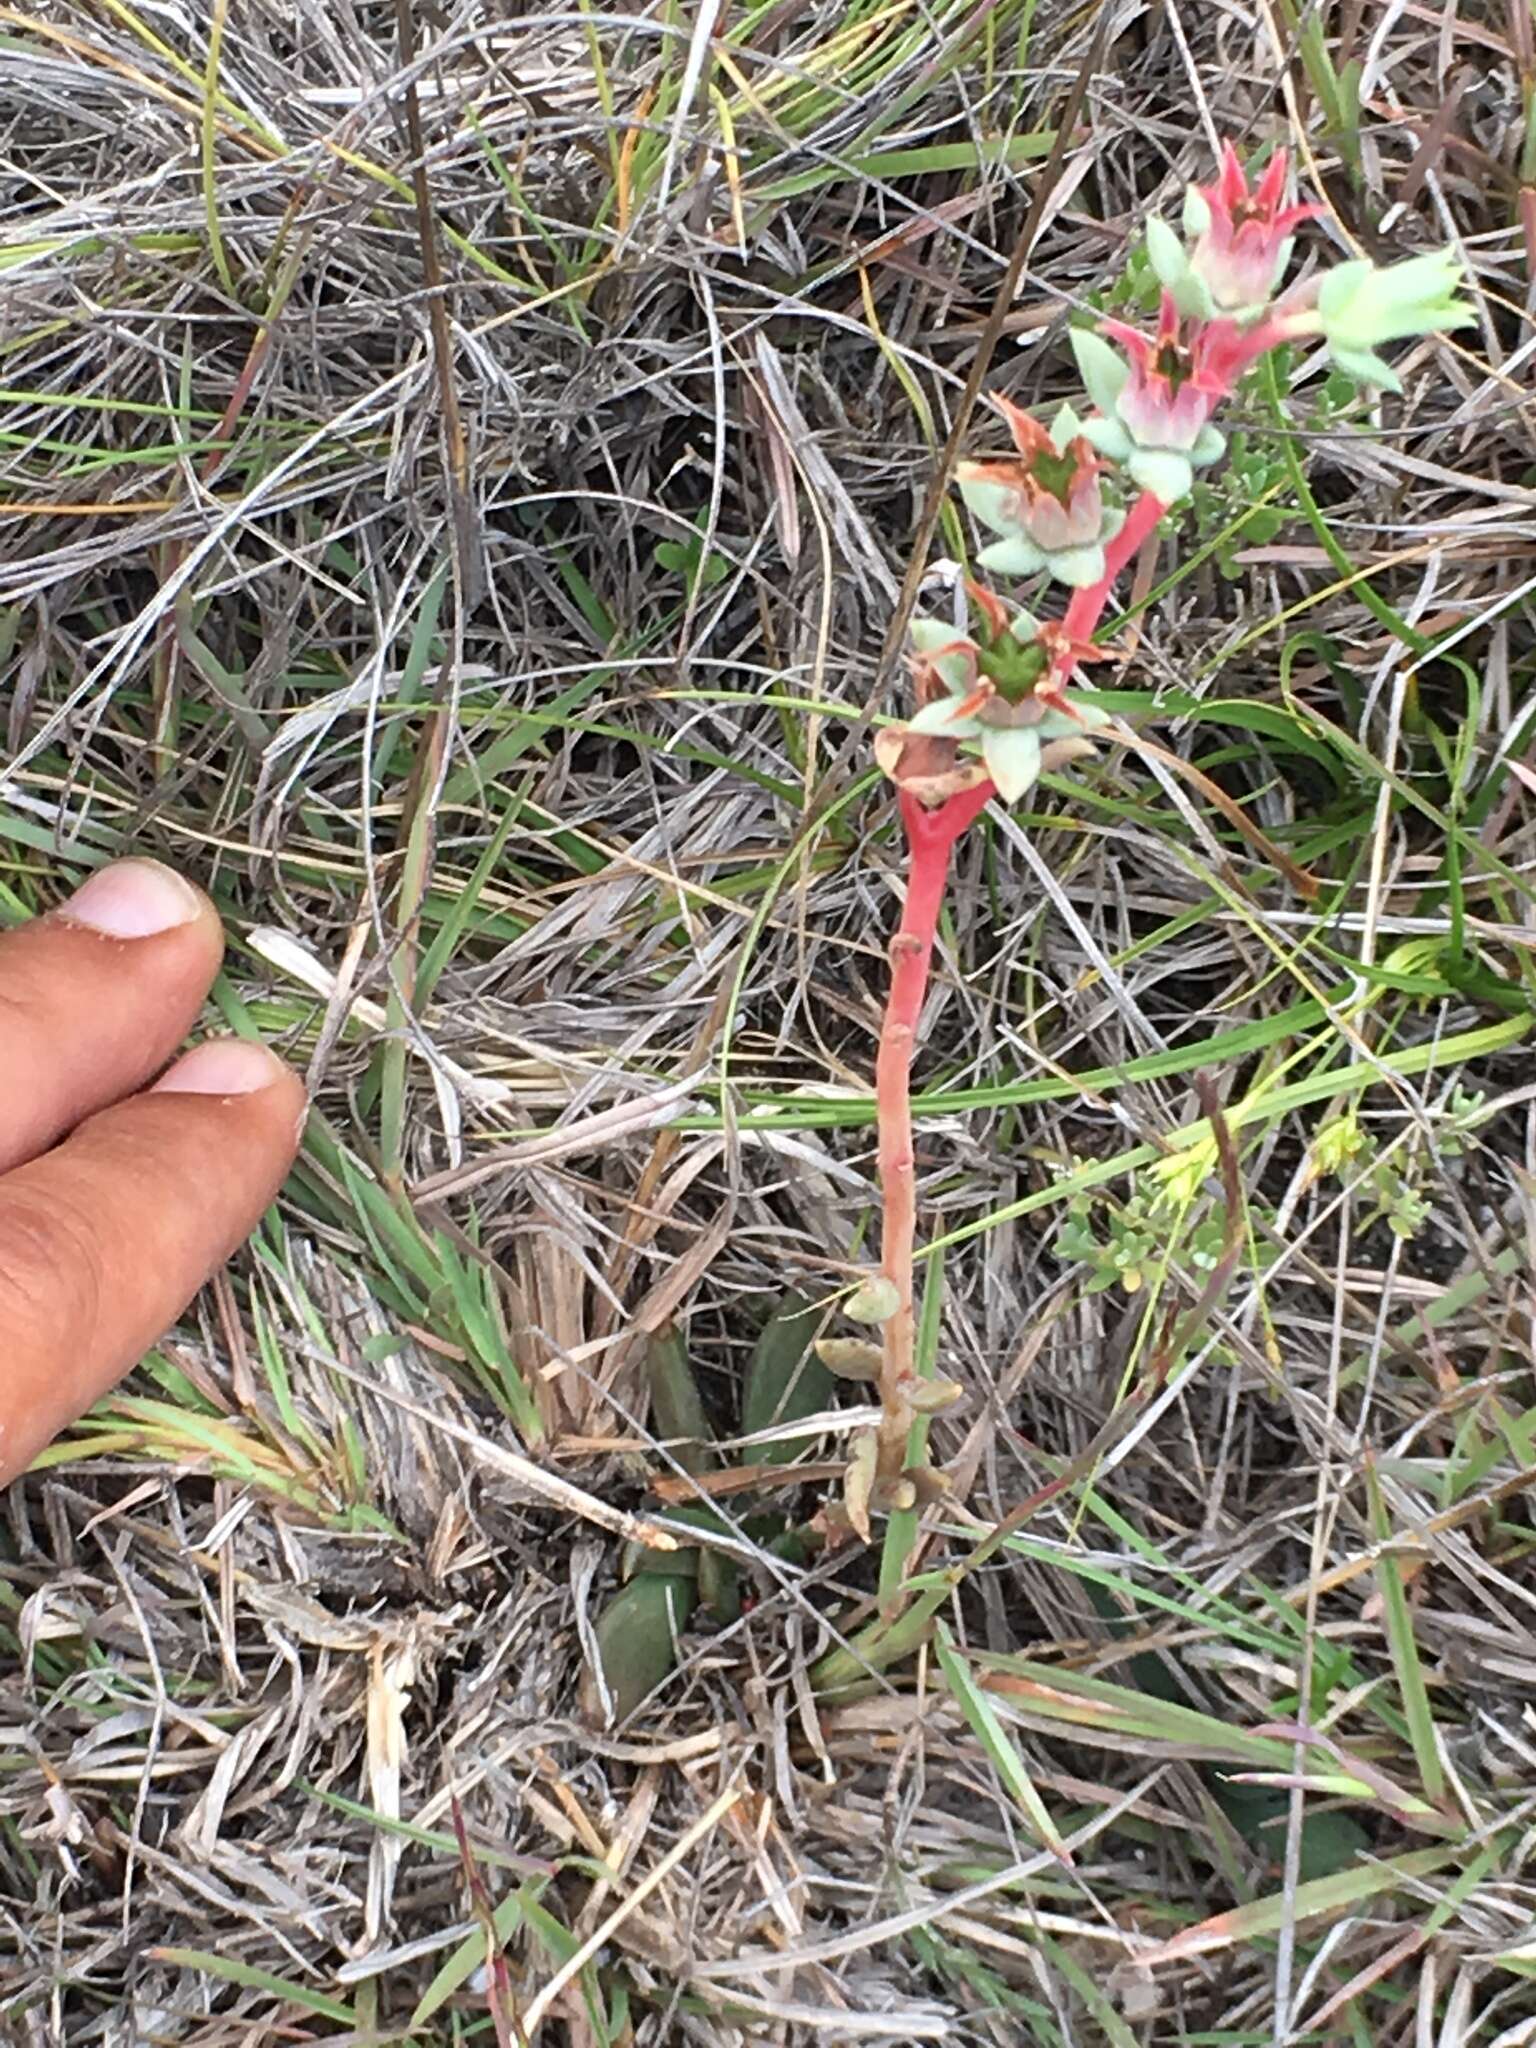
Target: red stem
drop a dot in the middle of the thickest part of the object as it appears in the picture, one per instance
(1086, 606)
(930, 837)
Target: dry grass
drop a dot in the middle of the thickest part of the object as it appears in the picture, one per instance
(369, 599)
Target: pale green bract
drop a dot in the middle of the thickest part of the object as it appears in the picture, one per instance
(1011, 752)
(954, 669)
(1103, 372)
(1168, 473)
(1171, 267)
(1360, 306)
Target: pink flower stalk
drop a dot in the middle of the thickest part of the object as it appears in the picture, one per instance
(931, 835)
(1087, 606)
(1242, 237)
(1000, 690)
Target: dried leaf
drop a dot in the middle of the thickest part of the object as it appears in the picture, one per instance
(859, 1482)
(391, 1674)
(851, 1358)
(932, 1397)
(1058, 754)
(926, 765)
(875, 1300)
(897, 1496)
(929, 1484)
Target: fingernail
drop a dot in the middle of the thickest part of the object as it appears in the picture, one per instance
(224, 1066)
(133, 899)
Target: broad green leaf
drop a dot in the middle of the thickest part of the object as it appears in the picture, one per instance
(785, 1379)
(677, 1407)
(637, 1640)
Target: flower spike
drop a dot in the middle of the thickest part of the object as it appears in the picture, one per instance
(993, 711)
(1242, 238)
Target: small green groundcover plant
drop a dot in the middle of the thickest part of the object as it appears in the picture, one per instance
(1070, 506)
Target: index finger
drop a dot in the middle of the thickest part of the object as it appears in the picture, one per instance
(105, 1239)
(97, 996)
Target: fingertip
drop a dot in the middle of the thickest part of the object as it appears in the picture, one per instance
(136, 899)
(233, 1068)
(97, 996)
(105, 1237)
(223, 1066)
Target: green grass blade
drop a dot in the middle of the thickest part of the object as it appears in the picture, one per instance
(996, 1741)
(249, 1978)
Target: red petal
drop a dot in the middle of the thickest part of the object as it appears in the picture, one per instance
(1291, 216)
(1231, 187)
(1029, 437)
(1065, 649)
(1222, 352)
(990, 605)
(1007, 471)
(1272, 185)
(928, 684)
(1132, 340)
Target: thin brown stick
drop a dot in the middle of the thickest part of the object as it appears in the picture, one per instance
(471, 571)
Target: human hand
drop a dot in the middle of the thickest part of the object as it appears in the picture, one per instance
(107, 1235)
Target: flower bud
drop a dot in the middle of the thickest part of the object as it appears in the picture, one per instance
(1359, 306)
